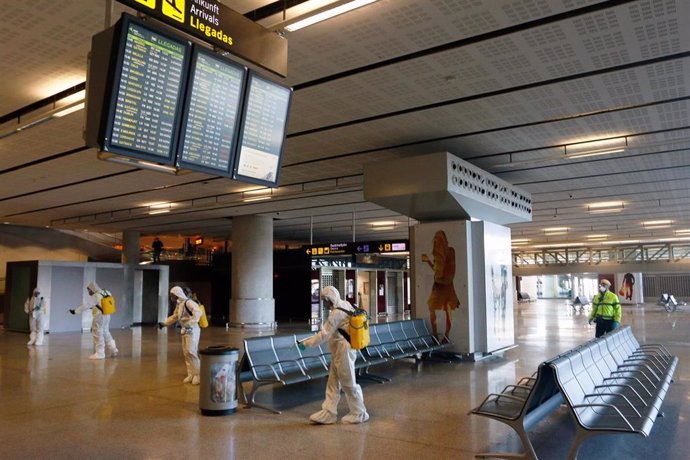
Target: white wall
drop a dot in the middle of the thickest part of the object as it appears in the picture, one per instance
(18, 243)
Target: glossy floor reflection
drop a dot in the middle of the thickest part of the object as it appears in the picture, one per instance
(56, 403)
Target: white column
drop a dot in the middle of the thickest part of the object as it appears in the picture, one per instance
(252, 303)
(130, 260)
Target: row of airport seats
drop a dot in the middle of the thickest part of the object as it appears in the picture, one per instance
(610, 384)
(669, 302)
(277, 359)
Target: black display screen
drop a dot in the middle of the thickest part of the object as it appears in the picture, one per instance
(148, 85)
(212, 109)
(264, 123)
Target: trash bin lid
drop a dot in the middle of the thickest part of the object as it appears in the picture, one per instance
(219, 350)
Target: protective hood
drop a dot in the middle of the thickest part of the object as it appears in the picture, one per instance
(178, 292)
(93, 287)
(332, 294)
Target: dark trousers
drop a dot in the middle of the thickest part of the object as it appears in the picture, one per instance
(603, 326)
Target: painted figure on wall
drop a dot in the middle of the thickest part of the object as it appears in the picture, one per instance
(627, 287)
(499, 286)
(443, 296)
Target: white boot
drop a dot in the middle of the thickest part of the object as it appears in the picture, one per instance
(112, 347)
(96, 356)
(323, 417)
(355, 418)
(195, 380)
(187, 379)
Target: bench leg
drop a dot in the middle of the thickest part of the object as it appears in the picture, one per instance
(529, 453)
(580, 437)
(251, 403)
(364, 374)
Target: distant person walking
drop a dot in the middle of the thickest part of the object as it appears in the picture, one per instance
(35, 306)
(157, 246)
(606, 310)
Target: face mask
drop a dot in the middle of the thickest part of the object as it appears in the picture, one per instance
(327, 304)
(36, 294)
(602, 289)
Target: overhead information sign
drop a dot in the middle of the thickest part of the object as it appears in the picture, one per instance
(371, 247)
(263, 131)
(145, 106)
(215, 23)
(209, 134)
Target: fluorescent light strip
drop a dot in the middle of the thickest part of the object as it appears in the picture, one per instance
(327, 14)
(593, 153)
(605, 204)
(657, 222)
(604, 211)
(69, 110)
(256, 198)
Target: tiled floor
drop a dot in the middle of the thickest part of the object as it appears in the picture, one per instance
(56, 403)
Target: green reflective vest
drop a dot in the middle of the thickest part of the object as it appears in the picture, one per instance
(607, 307)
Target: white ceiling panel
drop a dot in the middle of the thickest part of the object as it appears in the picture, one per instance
(504, 84)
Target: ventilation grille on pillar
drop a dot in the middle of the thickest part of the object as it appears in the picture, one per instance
(326, 280)
(471, 181)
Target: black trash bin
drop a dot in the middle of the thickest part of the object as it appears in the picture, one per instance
(218, 380)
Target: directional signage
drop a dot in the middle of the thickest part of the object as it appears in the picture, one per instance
(215, 23)
(371, 247)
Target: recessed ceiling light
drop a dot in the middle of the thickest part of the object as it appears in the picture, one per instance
(605, 204)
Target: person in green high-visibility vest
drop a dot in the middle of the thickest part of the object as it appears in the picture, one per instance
(606, 309)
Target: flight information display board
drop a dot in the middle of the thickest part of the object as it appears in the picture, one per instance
(148, 82)
(264, 122)
(211, 122)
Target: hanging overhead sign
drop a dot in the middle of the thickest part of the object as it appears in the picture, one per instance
(370, 247)
(215, 23)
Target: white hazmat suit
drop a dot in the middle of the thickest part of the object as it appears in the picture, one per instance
(100, 324)
(341, 373)
(188, 313)
(36, 307)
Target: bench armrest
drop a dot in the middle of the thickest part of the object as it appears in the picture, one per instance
(644, 360)
(261, 366)
(610, 406)
(634, 379)
(511, 389)
(294, 361)
(526, 381)
(638, 366)
(657, 346)
(496, 397)
(616, 395)
(620, 385)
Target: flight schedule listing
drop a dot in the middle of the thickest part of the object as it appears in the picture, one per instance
(211, 116)
(264, 129)
(147, 97)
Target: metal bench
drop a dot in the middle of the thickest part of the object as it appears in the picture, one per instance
(276, 359)
(613, 385)
(521, 407)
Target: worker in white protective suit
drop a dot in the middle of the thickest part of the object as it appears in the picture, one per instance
(100, 323)
(188, 314)
(36, 307)
(342, 369)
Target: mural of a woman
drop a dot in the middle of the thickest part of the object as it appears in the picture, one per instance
(443, 296)
(627, 288)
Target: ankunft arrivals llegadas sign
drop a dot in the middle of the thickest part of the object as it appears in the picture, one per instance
(215, 23)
